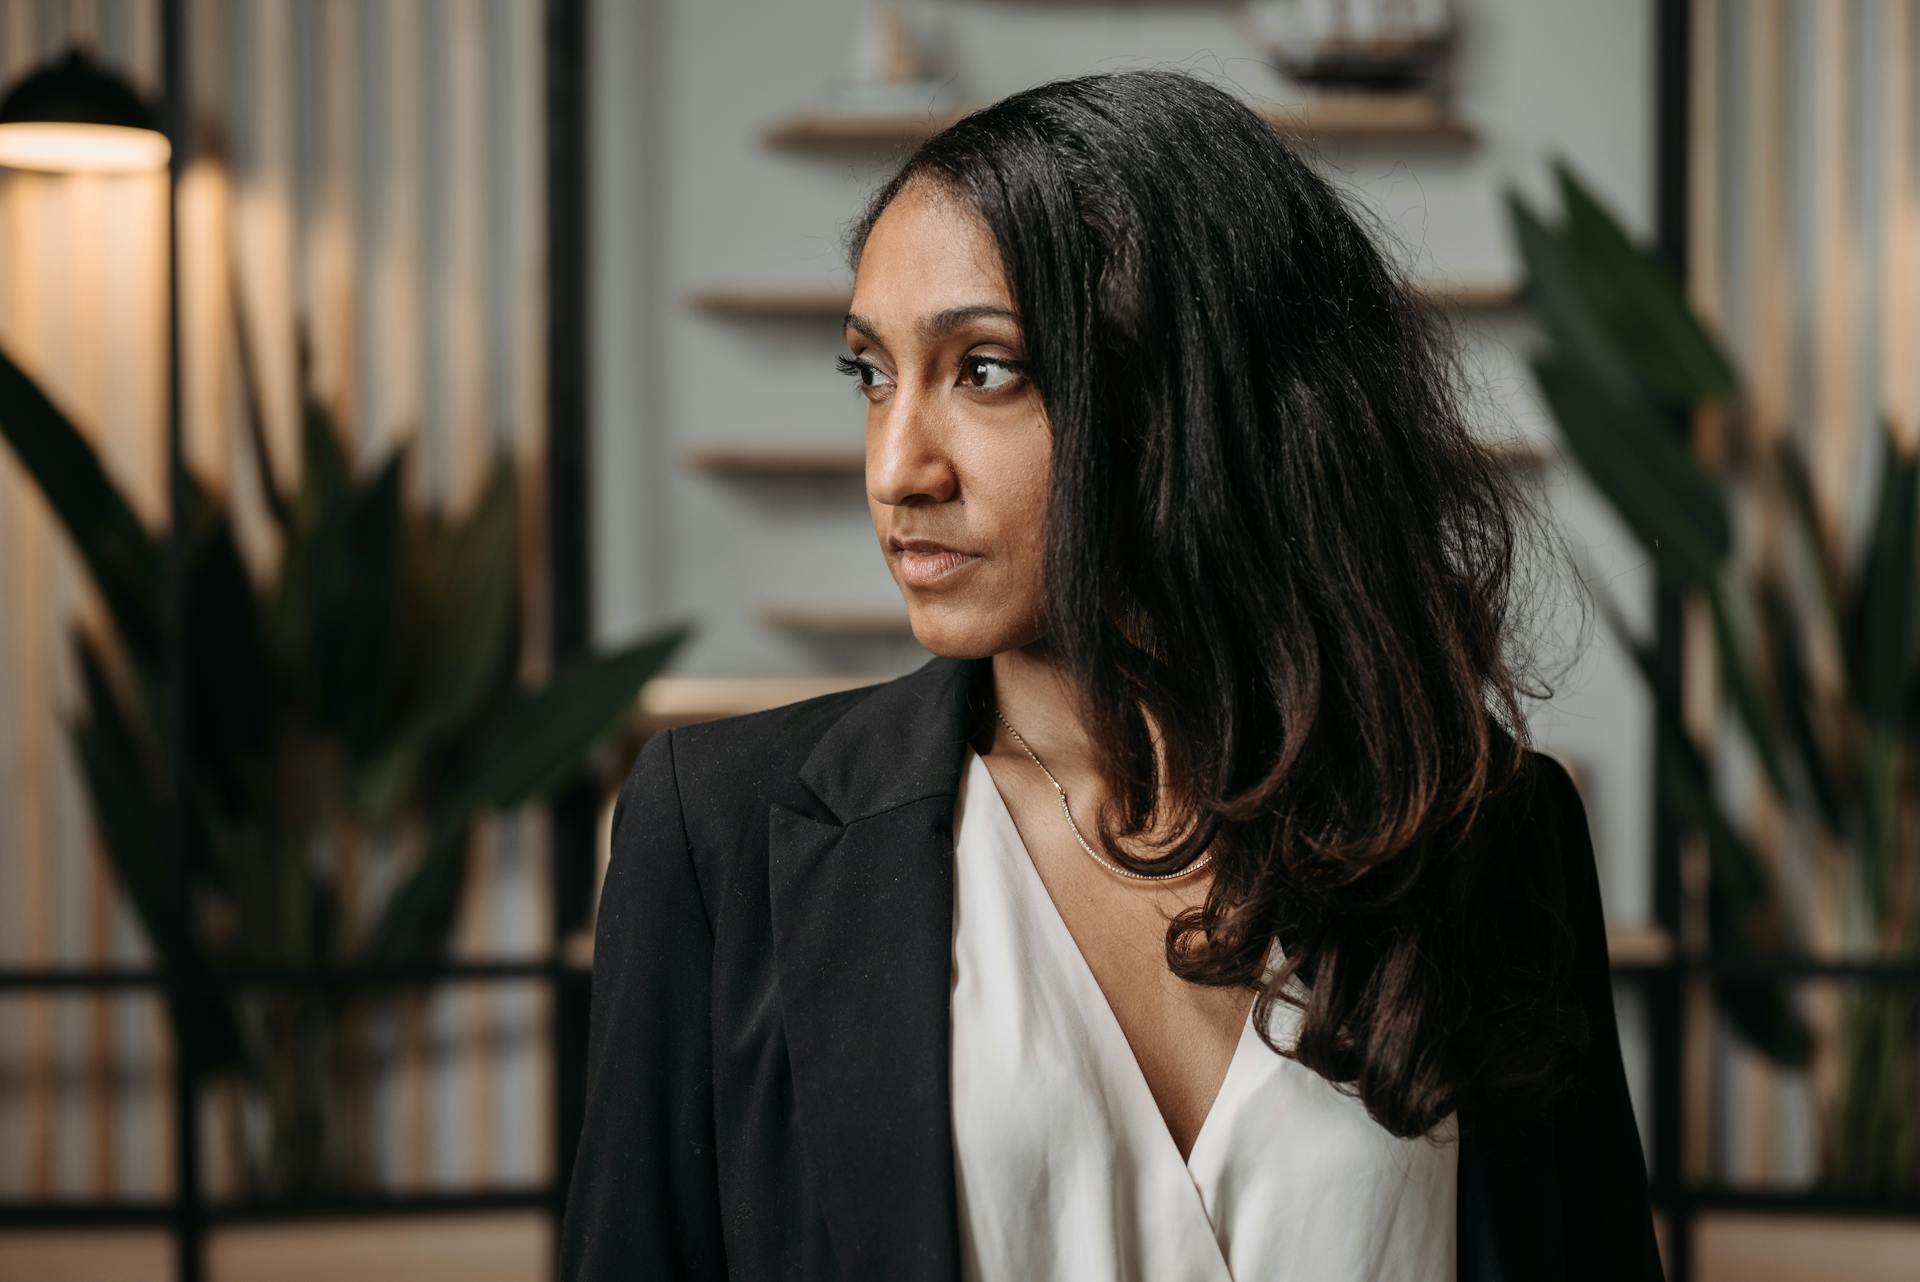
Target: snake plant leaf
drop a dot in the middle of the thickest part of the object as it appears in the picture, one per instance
(1884, 622)
(129, 801)
(1642, 308)
(475, 619)
(1740, 889)
(1740, 899)
(1758, 1007)
(1913, 706)
(1551, 284)
(325, 473)
(1738, 871)
(1795, 695)
(129, 814)
(460, 649)
(1797, 482)
(325, 483)
(229, 683)
(1879, 763)
(354, 584)
(1882, 635)
(122, 557)
(1648, 477)
(254, 415)
(416, 919)
(388, 782)
(1745, 692)
(539, 738)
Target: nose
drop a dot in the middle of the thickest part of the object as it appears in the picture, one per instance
(906, 455)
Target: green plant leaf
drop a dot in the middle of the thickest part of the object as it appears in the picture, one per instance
(1642, 308)
(1745, 693)
(1741, 894)
(1797, 483)
(308, 553)
(129, 812)
(538, 740)
(1551, 285)
(414, 922)
(354, 581)
(389, 782)
(229, 680)
(476, 607)
(255, 416)
(540, 737)
(326, 475)
(1877, 856)
(120, 554)
(1648, 477)
(129, 800)
(1740, 897)
(1884, 624)
(1794, 694)
(1882, 637)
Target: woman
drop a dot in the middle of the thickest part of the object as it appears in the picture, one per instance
(1200, 910)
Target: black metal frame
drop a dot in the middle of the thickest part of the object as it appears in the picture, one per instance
(189, 1214)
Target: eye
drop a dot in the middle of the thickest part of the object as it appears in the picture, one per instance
(977, 373)
(1007, 372)
(865, 371)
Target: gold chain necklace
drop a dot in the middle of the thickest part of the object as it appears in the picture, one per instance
(1190, 869)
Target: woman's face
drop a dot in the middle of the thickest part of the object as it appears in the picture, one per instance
(957, 439)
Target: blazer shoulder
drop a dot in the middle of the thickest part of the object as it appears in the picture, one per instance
(751, 752)
(727, 769)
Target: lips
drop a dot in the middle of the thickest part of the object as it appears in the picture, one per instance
(926, 545)
(926, 564)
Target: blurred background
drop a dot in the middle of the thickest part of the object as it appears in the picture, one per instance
(409, 405)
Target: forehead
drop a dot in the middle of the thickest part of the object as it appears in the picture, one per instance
(928, 250)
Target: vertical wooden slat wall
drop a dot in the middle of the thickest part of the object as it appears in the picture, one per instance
(1805, 195)
(373, 165)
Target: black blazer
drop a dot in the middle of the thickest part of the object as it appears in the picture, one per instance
(767, 1063)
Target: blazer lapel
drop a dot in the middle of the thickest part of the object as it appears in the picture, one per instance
(862, 918)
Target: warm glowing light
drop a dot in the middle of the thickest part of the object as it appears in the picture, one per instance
(62, 148)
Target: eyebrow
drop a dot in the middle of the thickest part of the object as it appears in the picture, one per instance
(938, 324)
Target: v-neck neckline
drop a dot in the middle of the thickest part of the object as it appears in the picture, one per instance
(1116, 1033)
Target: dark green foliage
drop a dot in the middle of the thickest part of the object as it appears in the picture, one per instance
(1625, 358)
(368, 690)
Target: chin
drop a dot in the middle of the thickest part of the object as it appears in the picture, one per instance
(951, 642)
(959, 631)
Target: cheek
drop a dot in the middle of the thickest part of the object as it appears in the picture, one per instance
(1016, 491)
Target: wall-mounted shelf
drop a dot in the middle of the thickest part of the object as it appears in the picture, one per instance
(829, 302)
(772, 302)
(1638, 944)
(1398, 118)
(847, 622)
(1401, 118)
(747, 460)
(773, 460)
(677, 701)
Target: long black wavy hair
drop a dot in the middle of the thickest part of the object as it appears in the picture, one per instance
(1271, 527)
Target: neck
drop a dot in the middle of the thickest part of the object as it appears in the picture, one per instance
(1033, 693)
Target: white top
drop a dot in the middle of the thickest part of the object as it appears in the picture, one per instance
(1066, 1169)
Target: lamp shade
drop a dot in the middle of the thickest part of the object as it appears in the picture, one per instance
(73, 116)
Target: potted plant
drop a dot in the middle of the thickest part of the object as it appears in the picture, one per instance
(367, 691)
(1837, 742)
